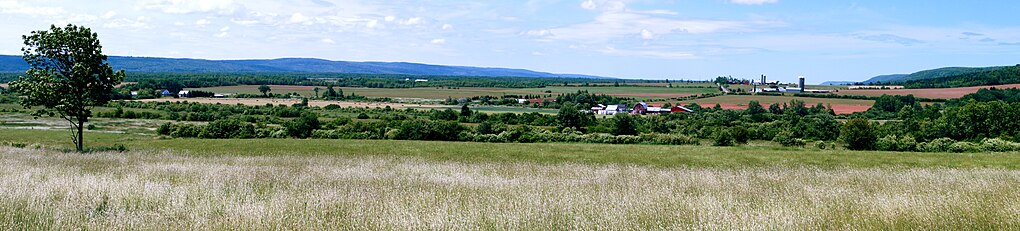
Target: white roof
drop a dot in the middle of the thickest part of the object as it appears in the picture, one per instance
(613, 107)
(184, 92)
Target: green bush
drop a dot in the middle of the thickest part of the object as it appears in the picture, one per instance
(787, 139)
(723, 138)
(858, 134)
(420, 129)
(894, 143)
(668, 139)
(303, 126)
(740, 134)
(937, 145)
(999, 145)
(964, 146)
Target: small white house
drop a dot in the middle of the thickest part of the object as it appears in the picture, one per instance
(183, 94)
(522, 101)
(421, 80)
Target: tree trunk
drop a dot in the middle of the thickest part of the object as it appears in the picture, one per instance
(81, 140)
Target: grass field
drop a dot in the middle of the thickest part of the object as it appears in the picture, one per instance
(358, 184)
(642, 92)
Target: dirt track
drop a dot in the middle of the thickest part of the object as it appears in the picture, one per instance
(314, 103)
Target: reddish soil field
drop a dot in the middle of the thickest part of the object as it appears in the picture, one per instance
(664, 95)
(932, 93)
(838, 108)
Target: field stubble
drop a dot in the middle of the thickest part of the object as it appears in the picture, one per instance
(168, 190)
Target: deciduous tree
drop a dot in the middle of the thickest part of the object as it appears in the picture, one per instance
(68, 75)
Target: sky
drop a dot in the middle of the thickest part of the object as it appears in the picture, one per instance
(824, 40)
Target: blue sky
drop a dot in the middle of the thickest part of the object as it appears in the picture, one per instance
(676, 39)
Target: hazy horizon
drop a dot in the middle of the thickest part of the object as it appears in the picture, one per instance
(823, 40)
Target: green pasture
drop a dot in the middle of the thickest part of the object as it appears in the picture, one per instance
(640, 92)
(545, 153)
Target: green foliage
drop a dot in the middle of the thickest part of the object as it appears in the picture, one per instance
(68, 75)
(429, 130)
(723, 138)
(228, 128)
(787, 139)
(983, 77)
(265, 90)
(857, 134)
(303, 126)
(570, 116)
(894, 143)
(740, 134)
(624, 124)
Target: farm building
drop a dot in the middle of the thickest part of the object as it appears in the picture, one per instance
(163, 93)
(643, 108)
(183, 94)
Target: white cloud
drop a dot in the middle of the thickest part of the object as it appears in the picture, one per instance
(753, 2)
(645, 34)
(412, 21)
(123, 23)
(300, 18)
(222, 34)
(13, 7)
(191, 6)
(244, 22)
(390, 18)
(438, 41)
(589, 5)
(327, 41)
(202, 22)
(619, 24)
(447, 26)
(653, 53)
(225, 29)
(372, 23)
(109, 15)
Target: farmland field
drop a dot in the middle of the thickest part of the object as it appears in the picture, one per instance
(641, 92)
(840, 106)
(931, 93)
(361, 184)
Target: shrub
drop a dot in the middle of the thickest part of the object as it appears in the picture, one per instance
(787, 139)
(429, 130)
(999, 145)
(668, 139)
(303, 126)
(937, 145)
(893, 143)
(362, 116)
(964, 146)
(858, 134)
(723, 138)
(740, 134)
(821, 145)
(228, 128)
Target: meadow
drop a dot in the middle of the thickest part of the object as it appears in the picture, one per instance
(363, 184)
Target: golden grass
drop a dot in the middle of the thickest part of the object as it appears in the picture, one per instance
(166, 190)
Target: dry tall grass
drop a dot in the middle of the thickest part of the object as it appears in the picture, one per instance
(162, 190)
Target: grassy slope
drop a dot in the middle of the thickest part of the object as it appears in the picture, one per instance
(641, 155)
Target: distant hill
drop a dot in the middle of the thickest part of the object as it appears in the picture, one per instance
(992, 76)
(929, 74)
(11, 63)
